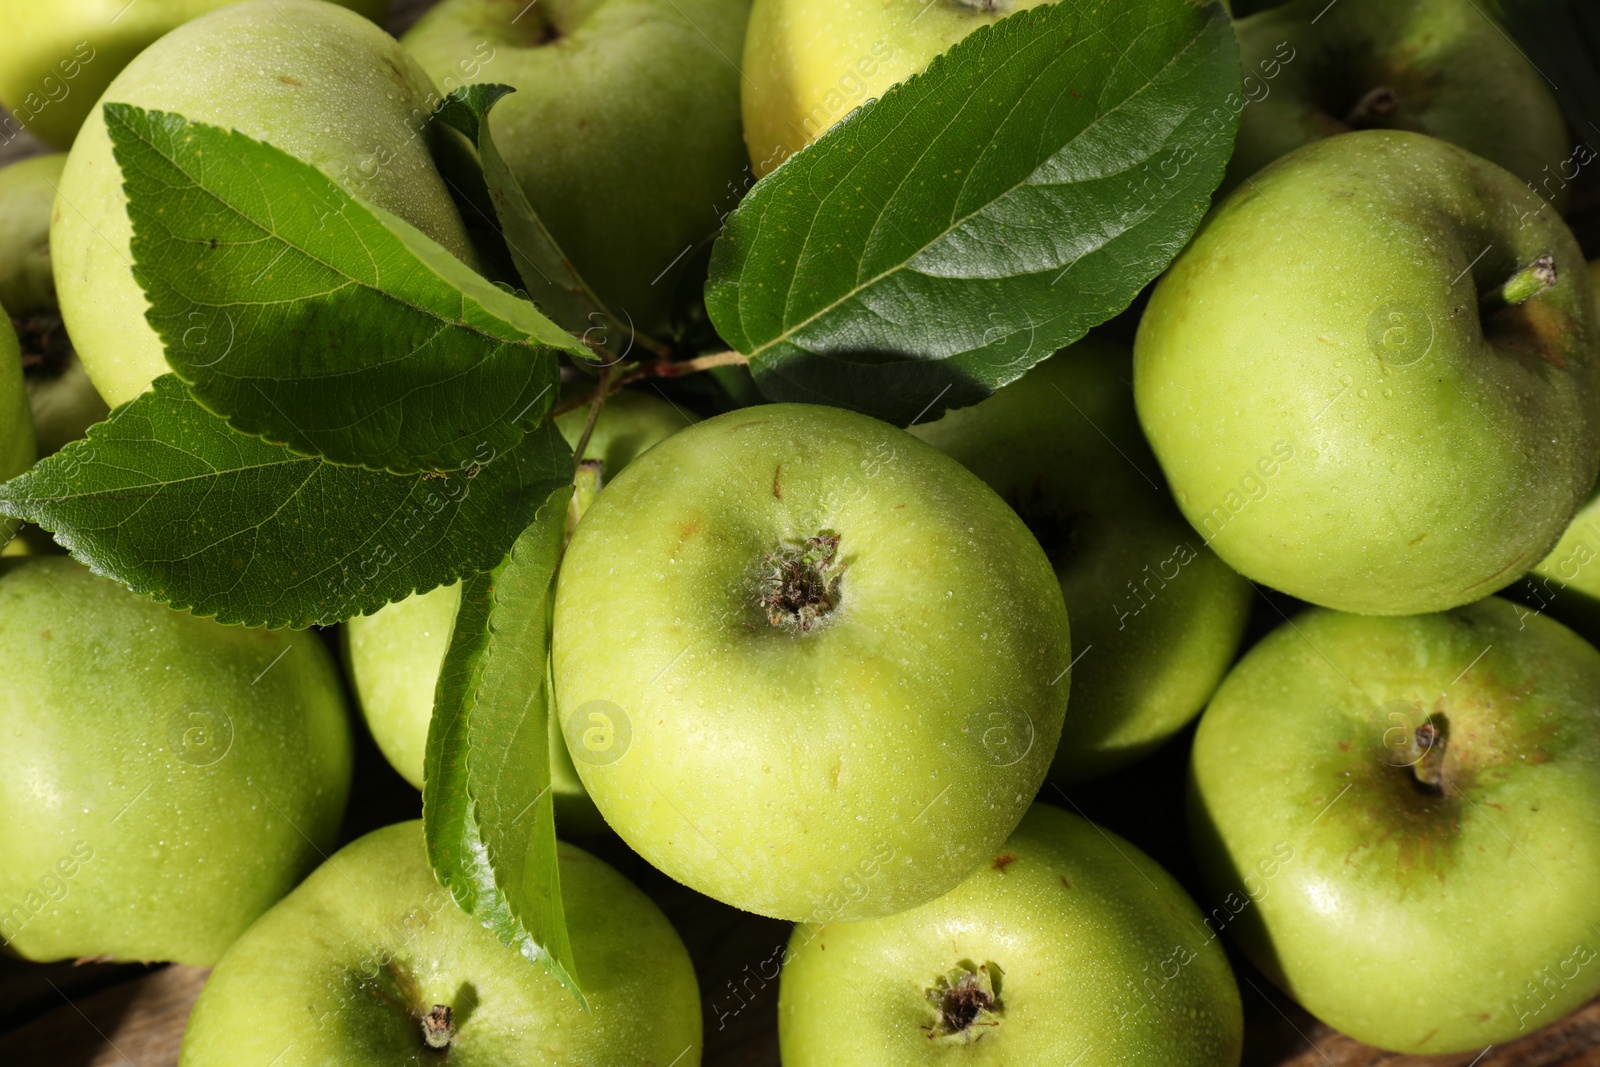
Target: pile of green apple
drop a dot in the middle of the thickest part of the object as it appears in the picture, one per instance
(835, 672)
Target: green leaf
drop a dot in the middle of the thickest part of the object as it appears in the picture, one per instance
(309, 318)
(945, 238)
(549, 276)
(487, 806)
(165, 498)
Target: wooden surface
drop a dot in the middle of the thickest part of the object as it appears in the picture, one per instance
(139, 1022)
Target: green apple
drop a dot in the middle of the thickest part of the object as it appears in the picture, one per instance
(370, 962)
(1156, 616)
(807, 664)
(316, 80)
(56, 58)
(17, 444)
(624, 130)
(1069, 946)
(1566, 583)
(1353, 396)
(27, 192)
(1440, 67)
(63, 401)
(394, 654)
(809, 63)
(1436, 782)
(165, 778)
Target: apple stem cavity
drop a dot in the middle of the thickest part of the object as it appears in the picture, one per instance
(439, 1027)
(1428, 741)
(1374, 106)
(966, 1000)
(801, 586)
(1528, 282)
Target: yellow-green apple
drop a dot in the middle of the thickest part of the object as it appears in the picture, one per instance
(394, 654)
(27, 192)
(316, 80)
(809, 63)
(808, 664)
(370, 962)
(1156, 616)
(56, 58)
(1371, 377)
(1440, 67)
(165, 778)
(61, 397)
(1566, 583)
(1436, 781)
(1070, 946)
(624, 130)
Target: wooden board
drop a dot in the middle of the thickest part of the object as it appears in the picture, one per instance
(139, 1023)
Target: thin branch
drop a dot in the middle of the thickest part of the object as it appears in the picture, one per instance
(597, 402)
(655, 369)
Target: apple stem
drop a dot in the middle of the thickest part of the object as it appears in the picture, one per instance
(439, 1027)
(1530, 281)
(586, 482)
(661, 368)
(1376, 104)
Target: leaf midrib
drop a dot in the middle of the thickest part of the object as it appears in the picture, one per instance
(788, 332)
(271, 233)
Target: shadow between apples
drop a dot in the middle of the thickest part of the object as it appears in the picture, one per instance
(897, 387)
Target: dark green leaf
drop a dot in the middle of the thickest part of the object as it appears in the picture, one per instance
(165, 498)
(309, 318)
(943, 239)
(550, 277)
(487, 803)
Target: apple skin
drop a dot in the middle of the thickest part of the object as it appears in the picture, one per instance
(1156, 616)
(1455, 75)
(17, 445)
(18, 448)
(394, 654)
(809, 63)
(1085, 929)
(1566, 583)
(63, 401)
(853, 769)
(192, 774)
(1417, 919)
(57, 58)
(27, 192)
(1331, 413)
(624, 130)
(342, 971)
(316, 80)
(61, 398)
(393, 658)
